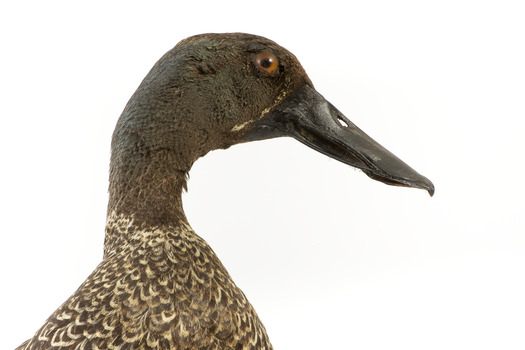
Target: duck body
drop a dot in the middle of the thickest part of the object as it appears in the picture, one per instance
(160, 285)
(164, 289)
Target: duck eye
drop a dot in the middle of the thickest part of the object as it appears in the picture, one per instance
(267, 62)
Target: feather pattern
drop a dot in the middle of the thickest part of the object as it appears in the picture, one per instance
(164, 289)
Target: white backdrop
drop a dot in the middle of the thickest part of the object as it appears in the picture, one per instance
(328, 257)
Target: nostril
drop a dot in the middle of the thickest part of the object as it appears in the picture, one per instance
(342, 121)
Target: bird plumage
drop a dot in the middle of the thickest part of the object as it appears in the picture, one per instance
(160, 285)
(164, 288)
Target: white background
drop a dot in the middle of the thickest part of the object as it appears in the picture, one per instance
(328, 257)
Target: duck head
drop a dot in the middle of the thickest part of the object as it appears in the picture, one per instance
(212, 91)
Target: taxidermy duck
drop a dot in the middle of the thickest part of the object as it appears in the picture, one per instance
(160, 285)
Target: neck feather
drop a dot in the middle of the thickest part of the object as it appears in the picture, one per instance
(146, 189)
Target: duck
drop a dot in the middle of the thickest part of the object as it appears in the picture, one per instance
(159, 284)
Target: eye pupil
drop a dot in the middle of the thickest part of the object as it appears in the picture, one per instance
(266, 62)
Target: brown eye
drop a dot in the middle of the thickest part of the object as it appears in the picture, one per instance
(267, 62)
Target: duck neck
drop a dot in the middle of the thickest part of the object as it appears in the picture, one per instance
(144, 193)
